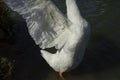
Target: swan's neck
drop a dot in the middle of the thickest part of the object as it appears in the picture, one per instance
(73, 13)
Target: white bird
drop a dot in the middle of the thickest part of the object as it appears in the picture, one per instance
(50, 28)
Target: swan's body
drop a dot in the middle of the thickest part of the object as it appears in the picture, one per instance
(48, 27)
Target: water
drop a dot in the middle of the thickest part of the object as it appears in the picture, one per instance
(101, 60)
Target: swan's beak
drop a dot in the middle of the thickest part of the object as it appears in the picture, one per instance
(61, 76)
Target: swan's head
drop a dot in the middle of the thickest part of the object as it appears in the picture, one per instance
(60, 62)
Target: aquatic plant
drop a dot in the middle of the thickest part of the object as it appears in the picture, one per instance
(6, 68)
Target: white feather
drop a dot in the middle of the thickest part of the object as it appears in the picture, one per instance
(48, 28)
(45, 22)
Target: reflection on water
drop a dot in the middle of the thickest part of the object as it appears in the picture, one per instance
(101, 61)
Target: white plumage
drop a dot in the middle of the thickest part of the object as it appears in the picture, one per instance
(50, 28)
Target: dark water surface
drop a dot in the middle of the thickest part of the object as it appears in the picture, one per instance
(102, 57)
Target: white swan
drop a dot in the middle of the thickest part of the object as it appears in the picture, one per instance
(49, 27)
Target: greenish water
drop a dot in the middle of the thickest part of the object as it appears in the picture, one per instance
(101, 60)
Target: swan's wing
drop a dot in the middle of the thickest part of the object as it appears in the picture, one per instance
(45, 22)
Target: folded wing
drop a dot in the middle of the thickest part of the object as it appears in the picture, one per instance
(46, 24)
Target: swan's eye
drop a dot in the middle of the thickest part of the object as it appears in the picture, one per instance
(51, 50)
